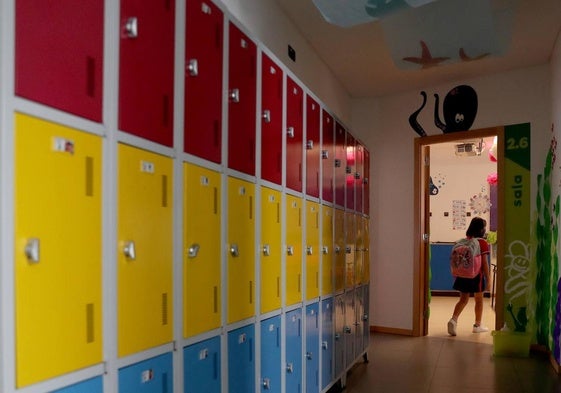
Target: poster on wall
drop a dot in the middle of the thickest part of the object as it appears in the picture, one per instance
(459, 214)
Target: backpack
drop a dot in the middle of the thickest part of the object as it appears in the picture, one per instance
(465, 259)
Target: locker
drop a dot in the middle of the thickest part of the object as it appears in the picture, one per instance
(326, 342)
(57, 219)
(327, 253)
(93, 385)
(201, 367)
(340, 164)
(154, 375)
(359, 249)
(242, 99)
(294, 134)
(294, 351)
(146, 65)
(271, 120)
(327, 157)
(350, 249)
(359, 178)
(241, 249)
(54, 65)
(201, 254)
(350, 327)
(270, 249)
(366, 252)
(271, 355)
(144, 255)
(366, 184)
(312, 147)
(339, 347)
(339, 250)
(350, 170)
(359, 325)
(366, 316)
(204, 44)
(293, 250)
(312, 249)
(312, 348)
(241, 360)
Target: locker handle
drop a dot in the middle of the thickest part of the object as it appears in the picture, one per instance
(337, 163)
(129, 250)
(365, 317)
(193, 250)
(193, 67)
(290, 250)
(32, 250)
(324, 154)
(348, 170)
(337, 249)
(234, 95)
(309, 355)
(266, 250)
(324, 344)
(309, 145)
(325, 250)
(266, 116)
(309, 250)
(266, 383)
(365, 180)
(131, 27)
(347, 329)
(234, 251)
(357, 175)
(290, 132)
(337, 336)
(289, 368)
(348, 250)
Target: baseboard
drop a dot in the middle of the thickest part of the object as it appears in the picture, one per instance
(389, 330)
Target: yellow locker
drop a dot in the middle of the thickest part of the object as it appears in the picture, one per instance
(270, 250)
(339, 250)
(312, 250)
(366, 256)
(57, 249)
(241, 249)
(327, 250)
(350, 242)
(293, 250)
(144, 255)
(201, 254)
(359, 249)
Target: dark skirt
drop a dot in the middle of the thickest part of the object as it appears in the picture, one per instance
(470, 285)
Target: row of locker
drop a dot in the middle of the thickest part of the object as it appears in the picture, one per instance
(316, 347)
(333, 159)
(58, 222)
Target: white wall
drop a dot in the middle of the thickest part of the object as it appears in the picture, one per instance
(513, 97)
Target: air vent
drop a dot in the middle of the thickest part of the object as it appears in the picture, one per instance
(467, 149)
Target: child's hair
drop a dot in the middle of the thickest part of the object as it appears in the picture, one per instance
(476, 227)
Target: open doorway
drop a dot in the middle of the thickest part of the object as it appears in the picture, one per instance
(440, 224)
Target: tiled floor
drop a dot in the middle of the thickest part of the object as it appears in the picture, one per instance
(442, 364)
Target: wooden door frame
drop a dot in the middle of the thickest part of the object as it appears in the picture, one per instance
(421, 224)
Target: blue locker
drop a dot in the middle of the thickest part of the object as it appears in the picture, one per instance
(294, 351)
(339, 353)
(326, 342)
(312, 348)
(271, 355)
(350, 327)
(241, 360)
(359, 312)
(365, 316)
(94, 385)
(201, 366)
(149, 376)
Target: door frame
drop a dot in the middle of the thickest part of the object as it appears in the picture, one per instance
(421, 286)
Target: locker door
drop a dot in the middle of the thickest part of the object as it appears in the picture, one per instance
(327, 157)
(340, 164)
(359, 249)
(326, 342)
(144, 256)
(241, 249)
(203, 79)
(146, 66)
(293, 250)
(312, 249)
(270, 355)
(339, 250)
(359, 173)
(350, 327)
(359, 325)
(339, 353)
(201, 366)
(94, 385)
(294, 124)
(312, 348)
(270, 250)
(312, 147)
(154, 375)
(327, 257)
(202, 253)
(241, 360)
(56, 66)
(294, 351)
(242, 97)
(366, 252)
(350, 171)
(271, 121)
(350, 240)
(366, 316)
(57, 219)
(366, 183)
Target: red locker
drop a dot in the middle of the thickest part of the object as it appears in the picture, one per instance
(350, 172)
(313, 114)
(366, 183)
(59, 55)
(294, 124)
(358, 174)
(271, 121)
(242, 98)
(146, 67)
(203, 79)
(340, 164)
(327, 157)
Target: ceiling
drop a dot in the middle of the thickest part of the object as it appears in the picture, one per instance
(361, 61)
